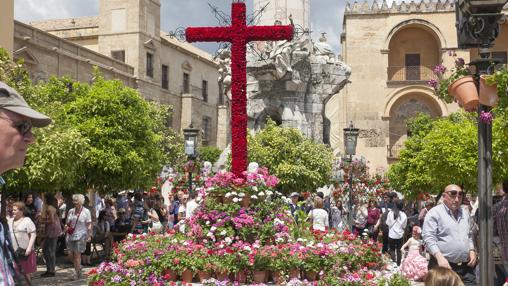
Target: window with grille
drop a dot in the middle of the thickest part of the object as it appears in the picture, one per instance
(149, 65)
(204, 90)
(164, 77)
(186, 83)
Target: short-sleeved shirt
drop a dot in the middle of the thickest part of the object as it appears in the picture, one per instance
(22, 229)
(319, 219)
(79, 221)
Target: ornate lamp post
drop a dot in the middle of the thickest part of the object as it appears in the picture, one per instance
(477, 27)
(190, 135)
(350, 140)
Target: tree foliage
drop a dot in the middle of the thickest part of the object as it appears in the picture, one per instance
(300, 163)
(103, 136)
(209, 153)
(445, 151)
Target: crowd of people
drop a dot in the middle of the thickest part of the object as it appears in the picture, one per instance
(419, 236)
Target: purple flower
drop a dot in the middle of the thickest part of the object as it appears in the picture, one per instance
(116, 279)
(439, 69)
(433, 83)
(486, 117)
(460, 63)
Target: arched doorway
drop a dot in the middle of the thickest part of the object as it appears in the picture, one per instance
(403, 109)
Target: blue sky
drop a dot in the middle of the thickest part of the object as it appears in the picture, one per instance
(326, 15)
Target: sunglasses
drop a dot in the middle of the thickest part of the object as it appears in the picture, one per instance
(23, 127)
(455, 193)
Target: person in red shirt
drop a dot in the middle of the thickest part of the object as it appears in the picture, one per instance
(374, 214)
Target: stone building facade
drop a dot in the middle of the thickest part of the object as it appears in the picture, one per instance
(392, 51)
(125, 42)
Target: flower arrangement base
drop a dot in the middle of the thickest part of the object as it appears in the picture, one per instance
(294, 273)
(222, 276)
(187, 276)
(311, 275)
(203, 275)
(488, 93)
(259, 276)
(465, 92)
(241, 277)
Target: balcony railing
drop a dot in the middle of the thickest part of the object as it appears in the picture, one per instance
(410, 73)
(393, 151)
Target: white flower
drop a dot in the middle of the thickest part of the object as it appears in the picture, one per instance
(241, 195)
(278, 221)
(228, 240)
(227, 195)
(261, 194)
(207, 222)
(234, 193)
(269, 193)
(209, 234)
(255, 189)
(223, 232)
(299, 239)
(235, 200)
(254, 197)
(213, 228)
(247, 248)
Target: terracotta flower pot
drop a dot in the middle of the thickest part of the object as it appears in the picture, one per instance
(227, 200)
(203, 275)
(294, 273)
(488, 93)
(259, 276)
(278, 278)
(222, 276)
(187, 276)
(311, 275)
(241, 277)
(170, 274)
(464, 91)
(245, 202)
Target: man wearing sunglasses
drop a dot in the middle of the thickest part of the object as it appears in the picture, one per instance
(16, 122)
(448, 238)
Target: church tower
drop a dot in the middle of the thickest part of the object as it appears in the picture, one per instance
(281, 10)
(129, 31)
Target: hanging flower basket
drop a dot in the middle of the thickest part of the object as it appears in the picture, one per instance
(464, 91)
(488, 92)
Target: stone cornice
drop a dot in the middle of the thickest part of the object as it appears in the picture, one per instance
(381, 7)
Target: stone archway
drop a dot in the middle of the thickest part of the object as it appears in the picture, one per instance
(404, 108)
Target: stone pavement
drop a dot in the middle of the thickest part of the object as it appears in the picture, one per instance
(64, 274)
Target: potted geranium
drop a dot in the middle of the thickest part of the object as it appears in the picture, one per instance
(458, 86)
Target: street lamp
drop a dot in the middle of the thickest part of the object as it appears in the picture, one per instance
(477, 27)
(350, 140)
(190, 135)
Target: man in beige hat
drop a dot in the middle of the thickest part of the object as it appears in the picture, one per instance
(16, 122)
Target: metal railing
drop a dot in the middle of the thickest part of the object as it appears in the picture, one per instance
(393, 151)
(410, 73)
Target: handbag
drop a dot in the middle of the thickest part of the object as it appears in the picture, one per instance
(20, 252)
(70, 229)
